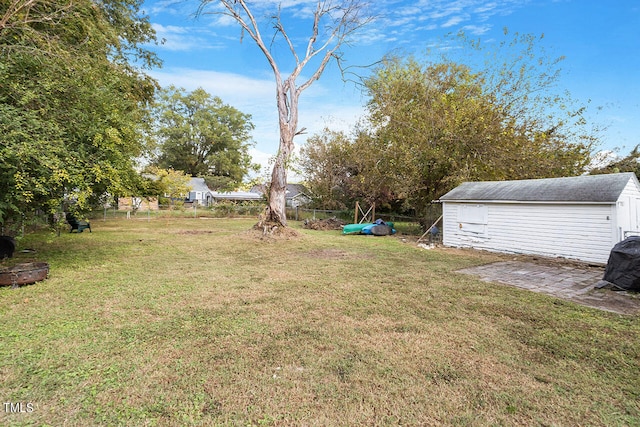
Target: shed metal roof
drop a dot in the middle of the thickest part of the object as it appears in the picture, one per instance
(236, 195)
(587, 188)
(293, 190)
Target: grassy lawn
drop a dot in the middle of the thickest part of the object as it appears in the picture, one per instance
(196, 322)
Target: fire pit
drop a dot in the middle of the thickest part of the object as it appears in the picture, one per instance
(24, 274)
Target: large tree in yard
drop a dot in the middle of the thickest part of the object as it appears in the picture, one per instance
(202, 136)
(438, 123)
(340, 170)
(73, 101)
(331, 25)
(628, 163)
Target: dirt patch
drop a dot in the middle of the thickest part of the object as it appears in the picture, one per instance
(273, 234)
(558, 262)
(189, 232)
(324, 224)
(535, 259)
(330, 254)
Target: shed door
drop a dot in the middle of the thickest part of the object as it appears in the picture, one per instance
(631, 226)
(473, 220)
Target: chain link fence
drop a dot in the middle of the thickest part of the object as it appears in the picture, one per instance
(405, 224)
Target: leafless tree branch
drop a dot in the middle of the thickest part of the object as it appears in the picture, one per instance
(334, 22)
(26, 12)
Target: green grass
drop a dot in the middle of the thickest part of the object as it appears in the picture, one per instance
(192, 322)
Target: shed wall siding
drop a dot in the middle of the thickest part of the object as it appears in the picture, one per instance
(629, 210)
(573, 231)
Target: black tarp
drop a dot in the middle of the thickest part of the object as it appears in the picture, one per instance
(623, 267)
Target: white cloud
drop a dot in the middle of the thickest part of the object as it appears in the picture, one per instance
(176, 38)
(169, 29)
(602, 159)
(427, 15)
(453, 21)
(231, 87)
(486, 7)
(477, 30)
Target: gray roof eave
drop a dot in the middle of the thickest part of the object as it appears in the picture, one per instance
(527, 202)
(580, 189)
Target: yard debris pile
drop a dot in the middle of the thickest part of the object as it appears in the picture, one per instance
(332, 223)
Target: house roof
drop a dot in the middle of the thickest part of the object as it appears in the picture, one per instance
(293, 190)
(586, 188)
(198, 184)
(236, 195)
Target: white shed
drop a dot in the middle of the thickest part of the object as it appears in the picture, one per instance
(579, 217)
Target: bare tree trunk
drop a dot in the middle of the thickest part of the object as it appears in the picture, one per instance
(276, 212)
(287, 99)
(332, 23)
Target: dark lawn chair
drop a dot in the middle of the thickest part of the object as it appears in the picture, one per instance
(7, 246)
(77, 225)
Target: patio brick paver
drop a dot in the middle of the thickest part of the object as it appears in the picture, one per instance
(566, 282)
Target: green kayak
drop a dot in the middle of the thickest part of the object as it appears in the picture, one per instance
(357, 228)
(354, 228)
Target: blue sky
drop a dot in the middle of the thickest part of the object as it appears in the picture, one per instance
(600, 40)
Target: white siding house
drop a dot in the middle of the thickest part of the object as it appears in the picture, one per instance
(203, 196)
(296, 194)
(200, 192)
(578, 217)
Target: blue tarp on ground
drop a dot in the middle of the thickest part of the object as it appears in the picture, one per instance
(377, 228)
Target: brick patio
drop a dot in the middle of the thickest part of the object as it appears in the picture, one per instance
(576, 284)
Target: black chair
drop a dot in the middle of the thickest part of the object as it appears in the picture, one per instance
(7, 246)
(77, 225)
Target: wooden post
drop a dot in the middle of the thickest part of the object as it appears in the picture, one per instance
(373, 212)
(355, 219)
(429, 229)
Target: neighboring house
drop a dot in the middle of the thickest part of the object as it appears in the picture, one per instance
(297, 194)
(578, 217)
(202, 195)
(239, 196)
(200, 192)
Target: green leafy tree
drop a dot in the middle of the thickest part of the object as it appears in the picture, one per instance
(325, 162)
(169, 183)
(202, 136)
(437, 124)
(72, 102)
(340, 170)
(628, 163)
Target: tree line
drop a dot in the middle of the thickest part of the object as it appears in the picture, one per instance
(73, 105)
(434, 122)
(79, 116)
